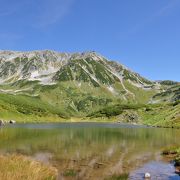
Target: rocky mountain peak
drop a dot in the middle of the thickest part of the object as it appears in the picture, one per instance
(50, 67)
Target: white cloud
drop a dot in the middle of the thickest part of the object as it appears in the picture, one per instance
(52, 11)
(38, 13)
(161, 12)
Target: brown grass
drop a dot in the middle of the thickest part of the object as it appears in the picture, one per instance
(18, 167)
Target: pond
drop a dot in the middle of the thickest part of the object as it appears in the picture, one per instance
(93, 150)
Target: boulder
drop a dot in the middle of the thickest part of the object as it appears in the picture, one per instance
(129, 116)
(177, 171)
(12, 122)
(147, 175)
(1, 123)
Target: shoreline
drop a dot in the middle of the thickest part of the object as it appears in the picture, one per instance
(90, 122)
(173, 154)
(85, 121)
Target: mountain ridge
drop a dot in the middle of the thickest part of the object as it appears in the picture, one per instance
(7, 56)
(49, 67)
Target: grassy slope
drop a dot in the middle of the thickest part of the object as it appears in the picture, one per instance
(33, 109)
(77, 100)
(81, 98)
(166, 115)
(162, 115)
(142, 96)
(25, 108)
(172, 93)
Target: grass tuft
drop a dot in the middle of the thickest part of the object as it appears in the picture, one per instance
(18, 167)
(70, 173)
(123, 176)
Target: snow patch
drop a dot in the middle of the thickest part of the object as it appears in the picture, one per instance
(94, 78)
(112, 90)
(79, 84)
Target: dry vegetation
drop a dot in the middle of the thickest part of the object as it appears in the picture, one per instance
(18, 167)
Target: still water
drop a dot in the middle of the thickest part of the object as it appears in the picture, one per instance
(93, 150)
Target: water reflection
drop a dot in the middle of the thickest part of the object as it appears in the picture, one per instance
(89, 148)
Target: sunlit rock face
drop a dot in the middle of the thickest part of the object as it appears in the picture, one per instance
(49, 67)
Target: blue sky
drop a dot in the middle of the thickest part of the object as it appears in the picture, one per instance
(141, 34)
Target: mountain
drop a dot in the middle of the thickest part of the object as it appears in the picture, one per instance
(73, 84)
(50, 68)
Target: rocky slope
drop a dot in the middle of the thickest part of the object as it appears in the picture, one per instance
(49, 67)
(170, 93)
